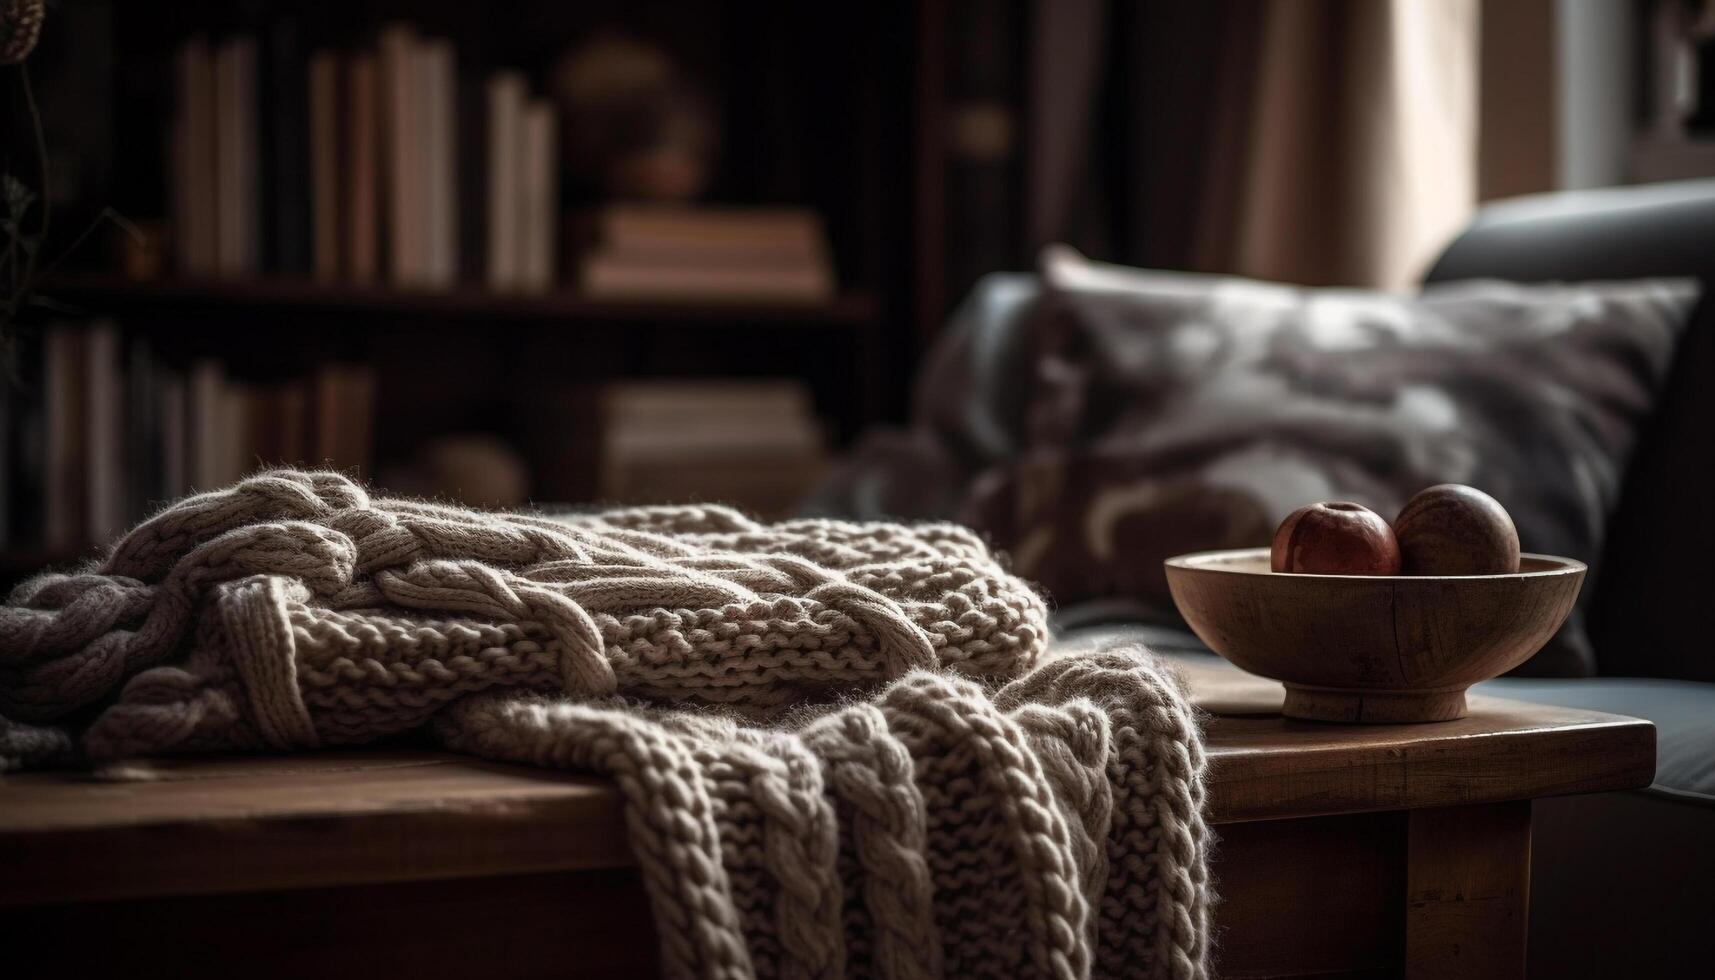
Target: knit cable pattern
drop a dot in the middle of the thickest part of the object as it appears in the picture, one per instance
(844, 748)
(1048, 828)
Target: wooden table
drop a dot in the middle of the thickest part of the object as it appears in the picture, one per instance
(1345, 850)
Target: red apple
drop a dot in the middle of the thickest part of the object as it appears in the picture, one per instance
(1451, 529)
(1335, 538)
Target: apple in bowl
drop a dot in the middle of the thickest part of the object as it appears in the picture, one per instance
(1335, 538)
(1451, 529)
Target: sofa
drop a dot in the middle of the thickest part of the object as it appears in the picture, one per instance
(1622, 883)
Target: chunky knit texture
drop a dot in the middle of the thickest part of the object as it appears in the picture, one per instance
(844, 748)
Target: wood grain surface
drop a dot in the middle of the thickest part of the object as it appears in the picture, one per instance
(227, 824)
(1372, 648)
(1267, 767)
(1467, 891)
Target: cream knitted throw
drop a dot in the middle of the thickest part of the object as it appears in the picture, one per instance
(844, 748)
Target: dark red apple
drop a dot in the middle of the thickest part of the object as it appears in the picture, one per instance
(1335, 538)
(1452, 529)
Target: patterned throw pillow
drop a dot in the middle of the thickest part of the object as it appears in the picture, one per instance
(1103, 419)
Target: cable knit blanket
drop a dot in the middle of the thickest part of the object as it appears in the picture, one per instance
(845, 749)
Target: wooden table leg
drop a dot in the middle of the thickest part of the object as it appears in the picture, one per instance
(1467, 891)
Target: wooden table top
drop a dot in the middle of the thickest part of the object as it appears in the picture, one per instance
(244, 823)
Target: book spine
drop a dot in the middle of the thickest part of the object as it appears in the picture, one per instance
(423, 165)
(142, 431)
(235, 156)
(293, 413)
(204, 406)
(357, 406)
(401, 163)
(325, 192)
(195, 192)
(506, 93)
(229, 226)
(63, 355)
(325, 415)
(540, 197)
(666, 226)
(362, 171)
(439, 70)
(103, 467)
(234, 454)
(249, 186)
(175, 438)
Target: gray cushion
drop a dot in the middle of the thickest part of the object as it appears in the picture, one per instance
(1111, 418)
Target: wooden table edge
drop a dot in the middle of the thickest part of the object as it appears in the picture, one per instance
(1561, 762)
(552, 821)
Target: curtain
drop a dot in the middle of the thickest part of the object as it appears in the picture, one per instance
(1325, 142)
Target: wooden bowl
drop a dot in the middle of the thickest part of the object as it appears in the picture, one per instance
(1372, 648)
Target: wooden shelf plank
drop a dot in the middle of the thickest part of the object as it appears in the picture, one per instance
(114, 294)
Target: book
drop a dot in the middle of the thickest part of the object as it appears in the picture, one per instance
(438, 159)
(234, 455)
(175, 479)
(643, 227)
(236, 191)
(63, 353)
(753, 444)
(622, 278)
(278, 415)
(292, 404)
(325, 416)
(205, 407)
(753, 400)
(194, 159)
(422, 161)
(401, 174)
(538, 197)
(341, 406)
(712, 253)
(140, 429)
(357, 406)
(98, 431)
(103, 467)
(326, 168)
(361, 203)
(506, 96)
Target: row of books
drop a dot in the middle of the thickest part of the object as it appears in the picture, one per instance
(754, 444)
(383, 164)
(98, 430)
(638, 252)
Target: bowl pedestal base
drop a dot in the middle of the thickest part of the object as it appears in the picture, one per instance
(1376, 707)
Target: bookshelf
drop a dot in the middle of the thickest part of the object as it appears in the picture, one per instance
(821, 109)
